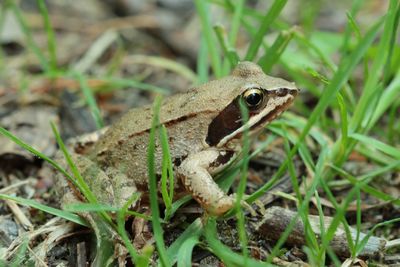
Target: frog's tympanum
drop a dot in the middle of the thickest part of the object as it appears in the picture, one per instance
(205, 129)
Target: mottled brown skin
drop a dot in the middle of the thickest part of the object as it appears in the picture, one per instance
(204, 128)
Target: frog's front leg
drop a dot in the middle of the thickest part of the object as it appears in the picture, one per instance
(195, 172)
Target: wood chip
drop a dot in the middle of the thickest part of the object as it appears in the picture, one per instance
(81, 254)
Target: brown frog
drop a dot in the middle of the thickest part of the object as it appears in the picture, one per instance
(205, 128)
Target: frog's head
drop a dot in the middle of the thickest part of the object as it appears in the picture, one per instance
(265, 98)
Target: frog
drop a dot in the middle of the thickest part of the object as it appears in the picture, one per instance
(205, 127)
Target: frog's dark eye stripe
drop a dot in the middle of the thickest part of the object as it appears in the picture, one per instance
(230, 119)
(227, 121)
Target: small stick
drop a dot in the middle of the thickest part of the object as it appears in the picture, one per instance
(81, 254)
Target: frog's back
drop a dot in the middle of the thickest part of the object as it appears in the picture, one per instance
(186, 117)
(178, 109)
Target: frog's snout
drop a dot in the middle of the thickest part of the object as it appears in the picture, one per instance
(286, 91)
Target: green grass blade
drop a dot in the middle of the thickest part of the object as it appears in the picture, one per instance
(388, 97)
(236, 20)
(167, 64)
(229, 51)
(353, 24)
(364, 241)
(179, 203)
(371, 142)
(57, 212)
(155, 212)
(355, 7)
(77, 179)
(367, 188)
(238, 9)
(341, 76)
(90, 100)
(202, 61)
(359, 118)
(20, 255)
(27, 147)
(242, 184)
(374, 155)
(202, 11)
(138, 260)
(388, 71)
(28, 35)
(343, 126)
(167, 176)
(339, 215)
(272, 54)
(326, 61)
(120, 82)
(51, 40)
(185, 251)
(193, 231)
(268, 19)
(90, 207)
(358, 225)
(3, 12)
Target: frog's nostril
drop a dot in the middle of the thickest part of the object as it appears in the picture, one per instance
(282, 91)
(294, 92)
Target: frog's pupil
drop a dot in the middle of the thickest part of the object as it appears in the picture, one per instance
(253, 99)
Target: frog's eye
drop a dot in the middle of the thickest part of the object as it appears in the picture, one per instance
(253, 97)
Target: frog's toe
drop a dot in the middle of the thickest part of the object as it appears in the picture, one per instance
(244, 204)
(248, 207)
(221, 206)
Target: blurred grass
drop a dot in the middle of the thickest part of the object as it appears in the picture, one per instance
(353, 113)
(12, 5)
(265, 23)
(51, 40)
(157, 229)
(36, 205)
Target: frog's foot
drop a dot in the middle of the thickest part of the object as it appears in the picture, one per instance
(220, 206)
(228, 202)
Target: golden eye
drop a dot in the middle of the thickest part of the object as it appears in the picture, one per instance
(253, 97)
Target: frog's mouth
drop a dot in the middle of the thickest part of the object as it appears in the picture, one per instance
(229, 124)
(272, 115)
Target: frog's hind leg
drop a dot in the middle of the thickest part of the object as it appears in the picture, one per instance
(123, 187)
(110, 187)
(105, 235)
